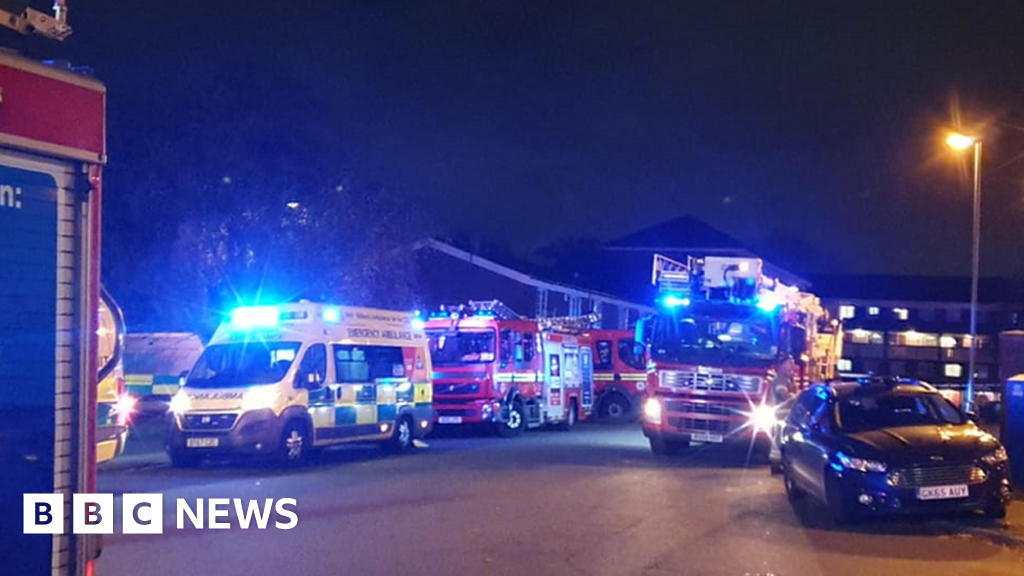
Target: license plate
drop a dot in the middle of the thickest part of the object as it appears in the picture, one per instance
(706, 437)
(202, 442)
(943, 492)
(450, 419)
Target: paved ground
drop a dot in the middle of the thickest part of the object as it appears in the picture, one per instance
(590, 502)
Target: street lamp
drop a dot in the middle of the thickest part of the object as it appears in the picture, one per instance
(958, 141)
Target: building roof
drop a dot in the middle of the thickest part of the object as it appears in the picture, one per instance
(918, 289)
(681, 233)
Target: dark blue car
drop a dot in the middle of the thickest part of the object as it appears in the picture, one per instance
(890, 446)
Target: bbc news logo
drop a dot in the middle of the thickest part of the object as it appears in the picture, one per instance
(144, 513)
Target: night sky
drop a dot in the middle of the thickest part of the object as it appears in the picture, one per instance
(802, 125)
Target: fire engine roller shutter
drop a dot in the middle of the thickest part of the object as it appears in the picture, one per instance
(38, 265)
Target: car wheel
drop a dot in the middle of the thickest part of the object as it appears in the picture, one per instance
(616, 408)
(294, 442)
(570, 418)
(183, 459)
(401, 436)
(515, 424)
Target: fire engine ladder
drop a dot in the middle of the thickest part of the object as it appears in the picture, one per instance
(671, 275)
(569, 324)
(32, 21)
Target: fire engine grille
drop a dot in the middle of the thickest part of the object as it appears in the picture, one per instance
(694, 424)
(714, 408)
(922, 476)
(208, 421)
(691, 380)
(455, 389)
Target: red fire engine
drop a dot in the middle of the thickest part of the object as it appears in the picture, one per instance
(492, 366)
(729, 347)
(52, 149)
(620, 373)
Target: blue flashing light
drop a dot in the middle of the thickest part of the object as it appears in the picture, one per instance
(769, 302)
(673, 301)
(331, 314)
(255, 317)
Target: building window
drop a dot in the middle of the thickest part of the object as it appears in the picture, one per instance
(897, 368)
(873, 311)
(901, 313)
(861, 336)
(846, 312)
(925, 369)
(947, 341)
(913, 338)
(953, 314)
(982, 372)
(953, 370)
(844, 365)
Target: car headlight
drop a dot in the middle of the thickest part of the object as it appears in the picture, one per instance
(180, 403)
(997, 456)
(259, 398)
(860, 464)
(652, 410)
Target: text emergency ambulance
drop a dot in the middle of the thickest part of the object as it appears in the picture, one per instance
(620, 373)
(279, 380)
(492, 366)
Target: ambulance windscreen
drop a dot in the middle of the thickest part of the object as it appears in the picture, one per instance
(451, 348)
(242, 364)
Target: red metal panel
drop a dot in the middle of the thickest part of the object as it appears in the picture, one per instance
(51, 111)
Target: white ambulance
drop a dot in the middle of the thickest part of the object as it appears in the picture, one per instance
(280, 380)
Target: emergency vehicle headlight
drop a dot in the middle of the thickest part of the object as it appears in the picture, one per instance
(180, 403)
(124, 408)
(259, 398)
(652, 410)
(762, 418)
(255, 316)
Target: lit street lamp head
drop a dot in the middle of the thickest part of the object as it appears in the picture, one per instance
(958, 141)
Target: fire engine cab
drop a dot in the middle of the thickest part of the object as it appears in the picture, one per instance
(494, 367)
(620, 373)
(728, 349)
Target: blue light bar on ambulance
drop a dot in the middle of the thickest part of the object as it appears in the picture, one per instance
(331, 314)
(673, 301)
(255, 316)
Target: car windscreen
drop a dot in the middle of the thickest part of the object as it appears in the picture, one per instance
(451, 348)
(242, 364)
(875, 412)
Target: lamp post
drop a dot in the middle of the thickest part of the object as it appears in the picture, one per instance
(958, 141)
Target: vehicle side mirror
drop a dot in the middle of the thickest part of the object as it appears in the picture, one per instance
(182, 376)
(972, 416)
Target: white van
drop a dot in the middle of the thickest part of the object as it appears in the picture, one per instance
(279, 380)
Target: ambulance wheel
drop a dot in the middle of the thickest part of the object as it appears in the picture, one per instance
(570, 417)
(616, 408)
(515, 424)
(295, 441)
(184, 459)
(401, 437)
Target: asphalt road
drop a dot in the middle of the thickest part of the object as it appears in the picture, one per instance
(593, 501)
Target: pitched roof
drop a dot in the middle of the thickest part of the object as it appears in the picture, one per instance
(681, 233)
